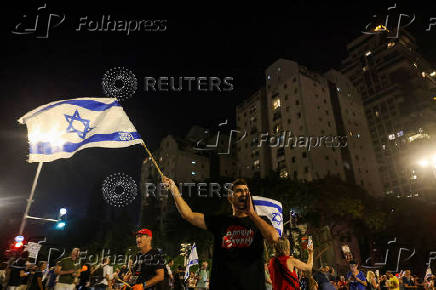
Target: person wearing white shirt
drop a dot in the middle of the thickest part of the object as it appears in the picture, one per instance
(108, 271)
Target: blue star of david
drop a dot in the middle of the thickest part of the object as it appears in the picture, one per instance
(276, 217)
(76, 117)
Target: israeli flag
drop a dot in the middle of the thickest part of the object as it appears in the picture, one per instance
(60, 129)
(193, 260)
(270, 208)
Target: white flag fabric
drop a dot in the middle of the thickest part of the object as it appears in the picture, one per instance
(428, 273)
(193, 260)
(270, 208)
(61, 128)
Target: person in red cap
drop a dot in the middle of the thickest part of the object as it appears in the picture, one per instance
(238, 259)
(148, 268)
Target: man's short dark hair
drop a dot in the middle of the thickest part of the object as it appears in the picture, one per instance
(239, 181)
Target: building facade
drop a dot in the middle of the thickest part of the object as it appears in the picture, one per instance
(396, 83)
(309, 126)
(251, 121)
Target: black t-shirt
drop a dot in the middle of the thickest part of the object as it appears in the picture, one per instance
(238, 261)
(16, 267)
(34, 282)
(145, 267)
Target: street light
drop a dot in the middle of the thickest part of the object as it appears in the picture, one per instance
(62, 211)
(423, 163)
(61, 221)
(60, 225)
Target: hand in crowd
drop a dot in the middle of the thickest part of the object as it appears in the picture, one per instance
(138, 287)
(310, 248)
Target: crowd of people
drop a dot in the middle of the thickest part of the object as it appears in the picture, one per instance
(326, 279)
(68, 274)
(238, 261)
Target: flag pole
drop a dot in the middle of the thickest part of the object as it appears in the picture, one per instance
(152, 160)
(30, 200)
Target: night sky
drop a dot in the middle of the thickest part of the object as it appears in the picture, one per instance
(225, 41)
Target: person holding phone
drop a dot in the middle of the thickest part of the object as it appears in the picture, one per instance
(392, 283)
(238, 239)
(356, 278)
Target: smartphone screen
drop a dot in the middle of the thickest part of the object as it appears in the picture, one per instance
(309, 241)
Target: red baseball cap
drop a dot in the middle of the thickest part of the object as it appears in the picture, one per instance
(144, 232)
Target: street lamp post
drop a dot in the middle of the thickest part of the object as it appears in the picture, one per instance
(30, 200)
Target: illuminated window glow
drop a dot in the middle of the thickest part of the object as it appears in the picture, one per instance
(276, 103)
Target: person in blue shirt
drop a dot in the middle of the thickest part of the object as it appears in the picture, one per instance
(356, 278)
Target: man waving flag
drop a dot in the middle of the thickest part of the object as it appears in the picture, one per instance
(61, 128)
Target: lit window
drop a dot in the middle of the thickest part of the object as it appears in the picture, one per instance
(391, 136)
(384, 147)
(256, 163)
(193, 173)
(276, 103)
(391, 44)
(433, 74)
(193, 162)
(377, 114)
(423, 74)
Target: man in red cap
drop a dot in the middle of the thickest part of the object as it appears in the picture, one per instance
(148, 269)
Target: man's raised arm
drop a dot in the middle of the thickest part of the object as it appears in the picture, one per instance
(195, 218)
